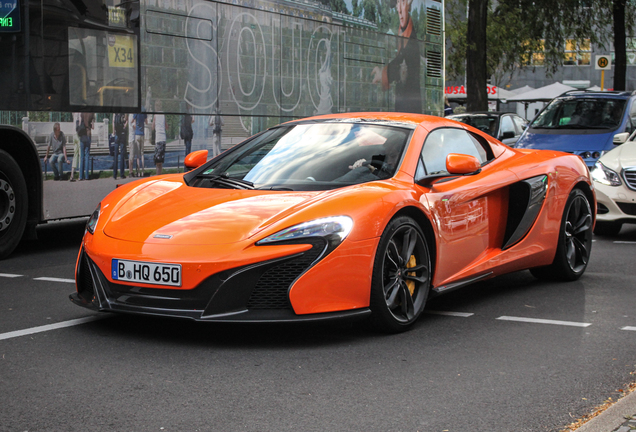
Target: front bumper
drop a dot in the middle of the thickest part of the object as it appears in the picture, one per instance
(615, 203)
(255, 293)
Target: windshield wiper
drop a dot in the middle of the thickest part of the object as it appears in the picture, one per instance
(579, 126)
(226, 180)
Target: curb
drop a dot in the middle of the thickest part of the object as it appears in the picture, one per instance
(613, 417)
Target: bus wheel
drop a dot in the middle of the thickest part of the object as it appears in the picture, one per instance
(13, 204)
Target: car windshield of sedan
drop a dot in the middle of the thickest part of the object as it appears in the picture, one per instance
(581, 113)
(309, 156)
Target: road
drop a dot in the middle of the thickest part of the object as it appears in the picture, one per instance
(473, 362)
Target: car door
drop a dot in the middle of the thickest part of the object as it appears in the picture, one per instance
(469, 212)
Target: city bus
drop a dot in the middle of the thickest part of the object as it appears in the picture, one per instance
(218, 70)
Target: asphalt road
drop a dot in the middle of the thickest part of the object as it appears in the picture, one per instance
(472, 363)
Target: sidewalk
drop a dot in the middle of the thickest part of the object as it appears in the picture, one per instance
(620, 417)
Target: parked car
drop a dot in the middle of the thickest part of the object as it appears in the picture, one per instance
(340, 216)
(614, 176)
(506, 127)
(586, 123)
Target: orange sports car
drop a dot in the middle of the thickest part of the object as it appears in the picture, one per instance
(350, 215)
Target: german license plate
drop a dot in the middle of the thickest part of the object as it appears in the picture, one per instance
(146, 272)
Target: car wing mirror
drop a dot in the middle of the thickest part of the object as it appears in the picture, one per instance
(507, 135)
(195, 159)
(620, 138)
(456, 165)
(462, 164)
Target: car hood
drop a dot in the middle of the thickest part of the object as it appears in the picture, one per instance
(621, 157)
(170, 212)
(566, 142)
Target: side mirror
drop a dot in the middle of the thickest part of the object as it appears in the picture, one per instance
(507, 135)
(620, 138)
(195, 159)
(462, 164)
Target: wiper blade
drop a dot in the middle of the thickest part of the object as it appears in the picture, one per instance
(578, 126)
(226, 180)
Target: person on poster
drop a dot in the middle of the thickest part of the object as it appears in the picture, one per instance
(404, 69)
(120, 121)
(159, 126)
(137, 150)
(56, 144)
(84, 128)
(216, 123)
(186, 132)
(131, 143)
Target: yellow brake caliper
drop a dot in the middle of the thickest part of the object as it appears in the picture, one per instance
(409, 283)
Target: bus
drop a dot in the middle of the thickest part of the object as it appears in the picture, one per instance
(198, 74)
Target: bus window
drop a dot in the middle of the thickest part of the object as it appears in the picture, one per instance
(103, 68)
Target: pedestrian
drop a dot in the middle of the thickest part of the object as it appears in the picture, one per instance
(57, 144)
(186, 131)
(216, 122)
(120, 121)
(137, 152)
(159, 126)
(84, 127)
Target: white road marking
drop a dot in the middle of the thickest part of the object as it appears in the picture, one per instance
(8, 275)
(624, 242)
(51, 279)
(455, 314)
(544, 321)
(48, 327)
(629, 328)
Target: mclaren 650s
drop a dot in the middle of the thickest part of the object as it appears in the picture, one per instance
(356, 215)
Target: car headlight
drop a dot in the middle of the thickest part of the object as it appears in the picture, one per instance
(92, 221)
(606, 176)
(332, 229)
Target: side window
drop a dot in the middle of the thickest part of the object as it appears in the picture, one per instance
(441, 142)
(520, 124)
(507, 125)
(632, 117)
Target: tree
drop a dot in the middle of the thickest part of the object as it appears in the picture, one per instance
(476, 76)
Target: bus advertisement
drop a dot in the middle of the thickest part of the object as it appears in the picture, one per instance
(97, 92)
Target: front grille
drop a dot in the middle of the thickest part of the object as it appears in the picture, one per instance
(627, 208)
(271, 290)
(630, 177)
(85, 287)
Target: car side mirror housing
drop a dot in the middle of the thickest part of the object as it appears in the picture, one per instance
(462, 164)
(195, 159)
(620, 138)
(507, 135)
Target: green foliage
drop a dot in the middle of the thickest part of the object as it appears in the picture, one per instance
(517, 29)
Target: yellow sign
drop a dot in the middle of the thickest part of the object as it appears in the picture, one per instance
(603, 62)
(121, 51)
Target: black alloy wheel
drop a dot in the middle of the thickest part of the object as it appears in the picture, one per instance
(575, 241)
(401, 276)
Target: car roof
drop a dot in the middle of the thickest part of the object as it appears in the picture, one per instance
(492, 113)
(407, 120)
(597, 94)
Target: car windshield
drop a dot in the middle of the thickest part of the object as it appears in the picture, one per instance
(310, 156)
(483, 122)
(581, 113)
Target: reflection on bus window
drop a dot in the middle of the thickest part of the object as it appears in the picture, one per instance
(103, 68)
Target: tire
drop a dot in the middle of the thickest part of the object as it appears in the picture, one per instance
(607, 228)
(575, 241)
(401, 276)
(13, 204)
